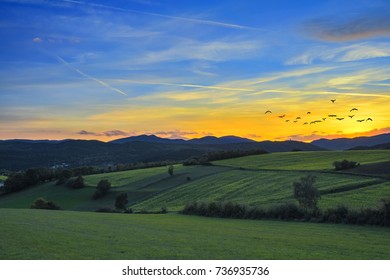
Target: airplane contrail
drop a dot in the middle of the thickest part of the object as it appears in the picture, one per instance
(195, 20)
(89, 76)
(187, 85)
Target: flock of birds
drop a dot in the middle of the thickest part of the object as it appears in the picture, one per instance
(324, 118)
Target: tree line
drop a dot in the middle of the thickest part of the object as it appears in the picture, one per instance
(305, 209)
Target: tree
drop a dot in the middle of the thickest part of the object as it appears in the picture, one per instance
(170, 170)
(103, 187)
(42, 203)
(121, 201)
(15, 182)
(306, 193)
(345, 164)
(78, 183)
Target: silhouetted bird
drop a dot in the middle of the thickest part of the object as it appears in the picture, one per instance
(353, 109)
(308, 113)
(266, 112)
(323, 119)
(312, 122)
(304, 123)
(298, 118)
(333, 100)
(282, 116)
(340, 119)
(351, 116)
(295, 121)
(332, 116)
(287, 120)
(369, 119)
(360, 120)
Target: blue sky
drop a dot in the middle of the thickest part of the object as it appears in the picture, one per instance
(109, 69)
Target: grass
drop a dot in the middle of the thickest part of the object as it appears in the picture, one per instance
(255, 180)
(305, 160)
(138, 184)
(40, 234)
(253, 188)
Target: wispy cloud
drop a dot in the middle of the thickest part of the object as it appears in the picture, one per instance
(90, 77)
(187, 50)
(339, 28)
(352, 52)
(108, 133)
(215, 87)
(183, 19)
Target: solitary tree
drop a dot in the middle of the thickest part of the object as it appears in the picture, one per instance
(170, 170)
(103, 187)
(121, 201)
(306, 193)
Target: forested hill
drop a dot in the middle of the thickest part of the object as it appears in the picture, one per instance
(17, 154)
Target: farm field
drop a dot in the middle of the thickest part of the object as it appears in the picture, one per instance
(306, 160)
(260, 180)
(39, 234)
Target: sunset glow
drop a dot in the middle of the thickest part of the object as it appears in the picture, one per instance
(186, 69)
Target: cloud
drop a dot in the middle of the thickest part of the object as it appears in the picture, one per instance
(175, 134)
(37, 40)
(115, 133)
(182, 19)
(108, 133)
(368, 24)
(353, 52)
(203, 51)
(85, 132)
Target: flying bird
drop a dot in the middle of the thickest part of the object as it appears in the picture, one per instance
(351, 116)
(305, 123)
(333, 100)
(340, 119)
(353, 109)
(312, 122)
(268, 111)
(332, 116)
(287, 120)
(369, 119)
(308, 113)
(295, 121)
(360, 120)
(298, 118)
(323, 119)
(282, 116)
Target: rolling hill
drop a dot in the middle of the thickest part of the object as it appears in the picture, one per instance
(255, 180)
(348, 143)
(16, 155)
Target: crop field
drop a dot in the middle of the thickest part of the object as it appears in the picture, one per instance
(252, 187)
(306, 160)
(39, 234)
(261, 180)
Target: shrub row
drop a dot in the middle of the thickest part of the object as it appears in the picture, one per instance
(289, 211)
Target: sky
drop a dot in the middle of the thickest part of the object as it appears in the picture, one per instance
(188, 69)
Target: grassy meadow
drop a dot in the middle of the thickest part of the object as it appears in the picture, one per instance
(254, 180)
(38, 234)
(261, 180)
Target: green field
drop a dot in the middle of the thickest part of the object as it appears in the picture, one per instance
(261, 180)
(306, 160)
(39, 234)
(256, 180)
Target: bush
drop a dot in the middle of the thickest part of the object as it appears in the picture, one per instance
(345, 164)
(306, 193)
(121, 201)
(103, 188)
(77, 183)
(42, 203)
